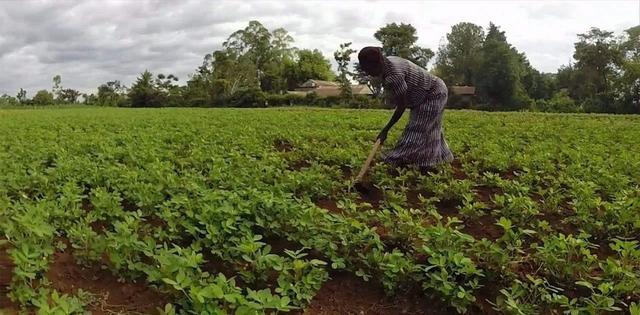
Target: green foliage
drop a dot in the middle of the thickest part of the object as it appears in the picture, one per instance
(399, 40)
(498, 81)
(112, 93)
(343, 58)
(561, 102)
(8, 101)
(150, 92)
(215, 208)
(43, 97)
(458, 59)
(309, 64)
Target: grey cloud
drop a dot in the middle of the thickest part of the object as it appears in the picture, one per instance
(90, 42)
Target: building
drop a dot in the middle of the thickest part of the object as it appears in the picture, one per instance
(461, 96)
(328, 88)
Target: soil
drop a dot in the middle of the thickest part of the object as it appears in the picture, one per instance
(483, 227)
(448, 208)
(328, 204)
(279, 244)
(345, 294)
(128, 205)
(113, 295)
(6, 270)
(347, 172)
(298, 165)
(556, 221)
(413, 197)
(458, 173)
(283, 145)
(484, 194)
(371, 194)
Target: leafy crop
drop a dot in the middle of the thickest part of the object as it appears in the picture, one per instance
(221, 210)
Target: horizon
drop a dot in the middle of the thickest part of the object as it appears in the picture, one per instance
(89, 43)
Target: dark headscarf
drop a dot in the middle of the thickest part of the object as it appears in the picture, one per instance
(370, 56)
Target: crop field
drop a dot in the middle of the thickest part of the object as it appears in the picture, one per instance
(252, 211)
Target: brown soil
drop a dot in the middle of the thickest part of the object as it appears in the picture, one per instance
(155, 221)
(99, 226)
(604, 251)
(485, 194)
(372, 195)
(448, 208)
(215, 265)
(283, 145)
(112, 294)
(348, 294)
(556, 221)
(483, 227)
(458, 173)
(510, 174)
(128, 205)
(279, 244)
(413, 197)
(347, 172)
(329, 204)
(6, 270)
(298, 165)
(487, 293)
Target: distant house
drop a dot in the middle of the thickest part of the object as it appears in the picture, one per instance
(463, 90)
(328, 88)
(461, 96)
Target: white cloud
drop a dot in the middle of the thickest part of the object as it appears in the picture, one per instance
(91, 42)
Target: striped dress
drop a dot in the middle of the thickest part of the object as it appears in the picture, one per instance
(422, 143)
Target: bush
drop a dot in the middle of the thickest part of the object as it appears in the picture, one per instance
(458, 101)
(9, 101)
(285, 100)
(43, 97)
(248, 98)
(561, 102)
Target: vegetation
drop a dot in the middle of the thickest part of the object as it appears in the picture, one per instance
(257, 64)
(540, 217)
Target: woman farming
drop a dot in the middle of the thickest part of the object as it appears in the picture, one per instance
(422, 143)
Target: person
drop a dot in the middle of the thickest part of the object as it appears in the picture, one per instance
(422, 143)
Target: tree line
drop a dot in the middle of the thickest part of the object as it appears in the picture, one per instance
(256, 66)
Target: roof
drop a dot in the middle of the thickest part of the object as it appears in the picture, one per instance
(332, 90)
(463, 90)
(361, 89)
(318, 84)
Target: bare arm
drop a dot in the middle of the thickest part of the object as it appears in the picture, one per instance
(401, 106)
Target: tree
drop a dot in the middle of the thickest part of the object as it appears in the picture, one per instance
(361, 77)
(112, 93)
(43, 97)
(343, 58)
(22, 96)
(144, 92)
(57, 86)
(627, 84)
(308, 64)
(498, 80)
(68, 96)
(399, 40)
(89, 99)
(596, 58)
(7, 100)
(267, 52)
(537, 85)
(458, 59)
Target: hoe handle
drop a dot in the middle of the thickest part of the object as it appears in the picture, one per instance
(367, 163)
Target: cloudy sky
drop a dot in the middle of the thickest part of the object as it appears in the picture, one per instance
(91, 42)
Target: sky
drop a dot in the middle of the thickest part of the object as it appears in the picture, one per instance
(91, 42)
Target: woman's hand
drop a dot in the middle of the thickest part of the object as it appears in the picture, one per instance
(382, 135)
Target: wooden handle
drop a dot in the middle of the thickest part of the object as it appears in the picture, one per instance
(365, 167)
